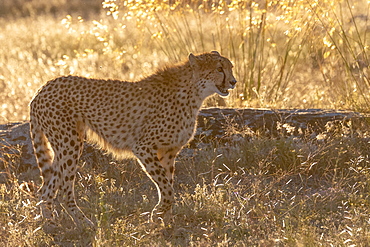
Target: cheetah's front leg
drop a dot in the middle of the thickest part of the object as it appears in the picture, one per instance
(167, 157)
(149, 161)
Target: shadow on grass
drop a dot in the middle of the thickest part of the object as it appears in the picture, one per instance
(282, 191)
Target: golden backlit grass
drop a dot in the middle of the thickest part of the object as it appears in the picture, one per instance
(258, 192)
(287, 54)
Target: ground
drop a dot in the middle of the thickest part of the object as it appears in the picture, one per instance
(258, 191)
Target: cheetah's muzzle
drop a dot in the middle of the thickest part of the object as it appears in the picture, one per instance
(224, 91)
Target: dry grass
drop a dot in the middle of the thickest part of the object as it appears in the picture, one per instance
(301, 54)
(261, 192)
(258, 192)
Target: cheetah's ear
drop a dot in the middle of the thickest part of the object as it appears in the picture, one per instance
(215, 52)
(192, 60)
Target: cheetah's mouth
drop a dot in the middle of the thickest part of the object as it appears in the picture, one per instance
(222, 91)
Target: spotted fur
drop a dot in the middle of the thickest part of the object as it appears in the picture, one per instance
(152, 119)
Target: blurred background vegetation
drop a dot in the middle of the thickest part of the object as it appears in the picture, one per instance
(287, 54)
(255, 191)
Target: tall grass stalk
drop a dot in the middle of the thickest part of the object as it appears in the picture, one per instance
(270, 42)
(350, 48)
(287, 54)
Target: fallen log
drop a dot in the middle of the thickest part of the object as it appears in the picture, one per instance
(214, 124)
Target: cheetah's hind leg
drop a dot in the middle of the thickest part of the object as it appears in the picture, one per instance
(67, 151)
(50, 182)
(70, 153)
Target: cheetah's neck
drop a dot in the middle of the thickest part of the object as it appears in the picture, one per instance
(191, 92)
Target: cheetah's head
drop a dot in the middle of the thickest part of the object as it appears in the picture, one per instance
(213, 72)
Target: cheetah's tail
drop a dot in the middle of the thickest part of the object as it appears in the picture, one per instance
(43, 151)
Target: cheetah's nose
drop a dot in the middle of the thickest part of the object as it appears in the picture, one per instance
(233, 82)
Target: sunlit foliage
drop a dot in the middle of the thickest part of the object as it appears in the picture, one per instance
(252, 191)
(298, 54)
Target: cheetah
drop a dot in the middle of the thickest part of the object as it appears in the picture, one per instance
(152, 119)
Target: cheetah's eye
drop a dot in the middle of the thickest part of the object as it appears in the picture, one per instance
(219, 69)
